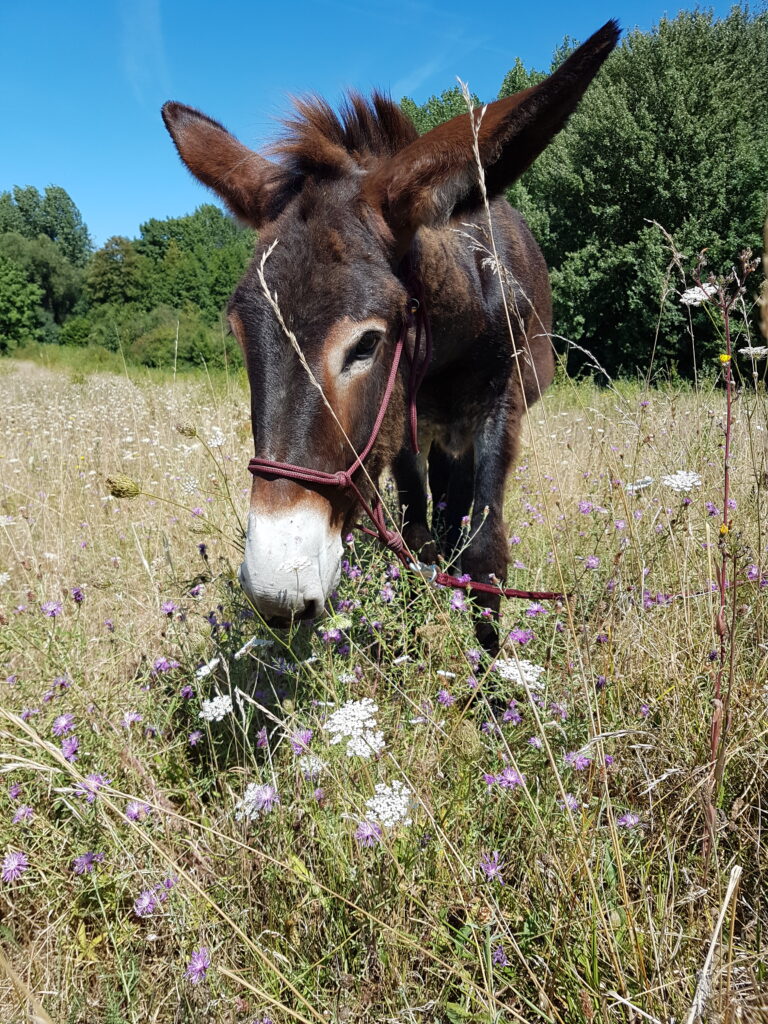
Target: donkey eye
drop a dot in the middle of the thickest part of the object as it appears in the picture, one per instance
(366, 345)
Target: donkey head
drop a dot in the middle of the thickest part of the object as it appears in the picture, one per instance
(319, 311)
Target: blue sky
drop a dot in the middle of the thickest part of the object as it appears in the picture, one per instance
(82, 82)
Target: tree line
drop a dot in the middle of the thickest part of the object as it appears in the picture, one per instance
(672, 135)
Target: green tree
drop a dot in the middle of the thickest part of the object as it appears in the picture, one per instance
(116, 273)
(26, 212)
(437, 109)
(44, 264)
(19, 302)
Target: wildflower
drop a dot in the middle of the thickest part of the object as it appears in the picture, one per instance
(14, 791)
(257, 799)
(14, 865)
(628, 820)
(579, 762)
(752, 573)
(725, 358)
(63, 724)
(261, 738)
(491, 866)
(135, 810)
(86, 862)
(23, 813)
(90, 786)
(695, 296)
(473, 656)
(146, 903)
(300, 740)
(215, 709)
(458, 601)
(512, 714)
(682, 480)
(77, 595)
(639, 485)
(26, 713)
(445, 698)
(570, 802)
(207, 668)
(509, 778)
(168, 608)
(51, 608)
(391, 805)
(644, 710)
(69, 747)
(559, 711)
(387, 593)
(520, 636)
(368, 833)
(755, 351)
(724, 530)
(534, 741)
(198, 965)
(194, 737)
(311, 766)
(519, 671)
(591, 562)
(499, 957)
(131, 718)
(355, 722)
(164, 664)
(585, 507)
(216, 438)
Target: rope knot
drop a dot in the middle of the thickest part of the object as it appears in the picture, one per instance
(342, 479)
(394, 541)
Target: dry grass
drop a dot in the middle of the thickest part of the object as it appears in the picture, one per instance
(599, 918)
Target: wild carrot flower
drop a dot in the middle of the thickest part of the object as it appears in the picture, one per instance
(682, 480)
(355, 722)
(215, 709)
(14, 865)
(519, 671)
(311, 766)
(198, 965)
(698, 294)
(391, 805)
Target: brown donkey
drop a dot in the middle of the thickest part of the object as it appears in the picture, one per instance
(355, 215)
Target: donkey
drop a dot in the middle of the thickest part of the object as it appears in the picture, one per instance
(355, 215)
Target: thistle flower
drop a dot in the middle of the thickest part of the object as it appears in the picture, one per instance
(85, 862)
(300, 740)
(491, 865)
(368, 833)
(628, 820)
(90, 786)
(51, 608)
(63, 724)
(257, 800)
(14, 865)
(198, 965)
(69, 748)
(23, 813)
(578, 761)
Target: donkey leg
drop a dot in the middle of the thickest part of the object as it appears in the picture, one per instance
(487, 554)
(409, 472)
(451, 483)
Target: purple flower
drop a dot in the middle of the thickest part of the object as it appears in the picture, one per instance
(491, 866)
(591, 561)
(520, 636)
(146, 903)
(512, 714)
(168, 608)
(164, 664)
(23, 813)
(51, 608)
(570, 802)
(63, 724)
(559, 711)
(109, 625)
(473, 656)
(535, 609)
(644, 710)
(135, 810)
(459, 601)
(194, 737)
(85, 863)
(69, 747)
(628, 820)
(499, 957)
(387, 593)
(579, 762)
(14, 791)
(300, 740)
(585, 507)
(261, 738)
(509, 778)
(198, 964)
(753, 573)
(130, 718)
(77, 595)
(27, 713)
(186, 692)
(368, 833)
(534, 741)
(445, 698)
(15, 864)
(90, 786)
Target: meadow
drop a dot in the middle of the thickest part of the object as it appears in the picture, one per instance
(205, 820)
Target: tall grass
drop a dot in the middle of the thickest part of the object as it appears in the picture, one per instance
(541, 864)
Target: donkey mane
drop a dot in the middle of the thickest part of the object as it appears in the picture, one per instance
(322, 143)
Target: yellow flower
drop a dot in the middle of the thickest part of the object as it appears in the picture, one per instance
(724, 357)
(724, 530)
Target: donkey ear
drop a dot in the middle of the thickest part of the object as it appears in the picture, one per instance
(437, 175)
(253, 188)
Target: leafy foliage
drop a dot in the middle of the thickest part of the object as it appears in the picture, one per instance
(18, 306)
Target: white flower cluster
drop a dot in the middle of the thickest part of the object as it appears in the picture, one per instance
(682, 480)
(257, 799)
(215, 709)
(519, 671)
(355, 722)
(216, 439)
(755, 351)
(695, 296)
(311, 766)
(391, 806)
(639, 485)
